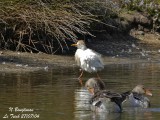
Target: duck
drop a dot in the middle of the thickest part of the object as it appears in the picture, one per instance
(103, 100)
(87, 59)
(137, 97)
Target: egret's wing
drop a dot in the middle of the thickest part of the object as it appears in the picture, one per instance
(92, 52)
(88, 60)
(94, 59)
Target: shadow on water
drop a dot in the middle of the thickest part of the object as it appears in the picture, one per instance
(57, 95)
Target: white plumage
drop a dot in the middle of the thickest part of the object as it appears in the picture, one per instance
(87, 59)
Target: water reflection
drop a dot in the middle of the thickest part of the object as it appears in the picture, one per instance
(139, 113)
(105, 116)
(82, 106)
(56, 94)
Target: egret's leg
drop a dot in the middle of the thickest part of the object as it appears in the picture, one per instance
(80, 77)
(80, 74)
(98, 77)
(81, 82)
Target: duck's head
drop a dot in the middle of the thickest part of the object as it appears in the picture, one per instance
(94, 85)
(140, 89)
(80, 44)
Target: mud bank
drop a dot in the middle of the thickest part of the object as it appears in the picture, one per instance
(14, 62)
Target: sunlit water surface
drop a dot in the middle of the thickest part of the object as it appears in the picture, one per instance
(56, 94)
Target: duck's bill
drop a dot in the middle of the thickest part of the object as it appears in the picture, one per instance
(148, 92)
(74, 45)
(91, 90)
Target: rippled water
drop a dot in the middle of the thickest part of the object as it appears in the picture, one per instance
(57, 95)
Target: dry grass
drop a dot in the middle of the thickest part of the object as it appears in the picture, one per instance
(41, 26)
(49, 25)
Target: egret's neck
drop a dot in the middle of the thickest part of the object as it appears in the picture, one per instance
(82, 47)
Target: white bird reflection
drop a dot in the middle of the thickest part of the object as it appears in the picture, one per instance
(82, 97)
(82, 106)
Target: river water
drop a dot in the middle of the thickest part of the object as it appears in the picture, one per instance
(57, 95)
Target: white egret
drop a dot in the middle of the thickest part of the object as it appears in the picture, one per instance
(87, 59)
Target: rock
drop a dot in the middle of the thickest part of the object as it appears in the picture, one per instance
(18, 65)
(146, 30)
(140, 33)
(1, 52)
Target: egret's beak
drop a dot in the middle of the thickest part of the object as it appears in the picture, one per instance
(148, 92)
(74, 45)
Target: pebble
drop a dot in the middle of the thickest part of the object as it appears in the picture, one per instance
(19, 65)
(46, 68)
